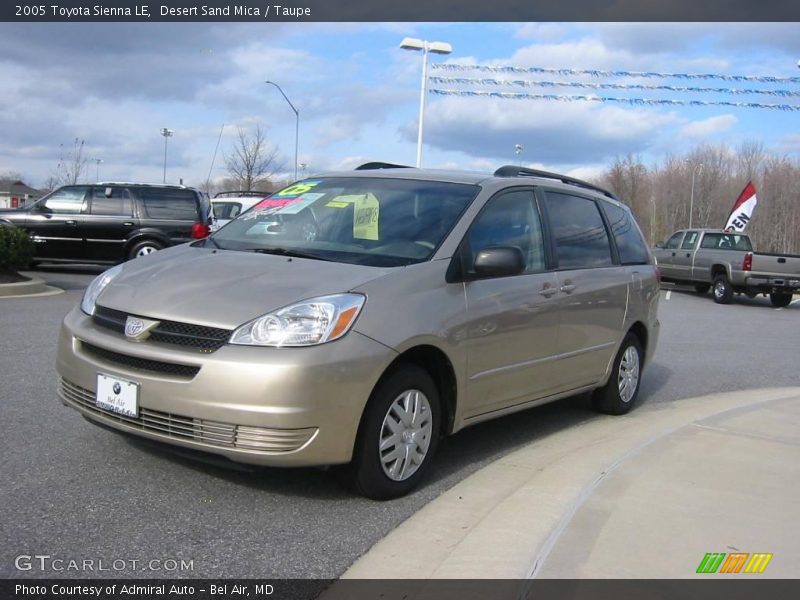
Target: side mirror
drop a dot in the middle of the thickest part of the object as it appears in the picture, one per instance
(499, 261)
(659, 245)
(42, 208)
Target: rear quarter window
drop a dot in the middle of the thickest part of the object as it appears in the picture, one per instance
(579, 232)
(630, 245)
(168, 204)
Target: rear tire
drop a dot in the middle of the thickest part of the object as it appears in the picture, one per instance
(619, 395)
(144, 248)
(723, 290)
(398, 436)
(780, 299)
(702, 288)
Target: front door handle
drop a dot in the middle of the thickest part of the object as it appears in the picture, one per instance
(688, 254)
(548, 291)
(128, 223)
(71, 222)
(568, 288)
(673, 254)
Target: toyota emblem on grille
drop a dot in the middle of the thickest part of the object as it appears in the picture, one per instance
(137, 329)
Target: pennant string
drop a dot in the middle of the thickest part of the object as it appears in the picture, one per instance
(606, 86)
(591, 98)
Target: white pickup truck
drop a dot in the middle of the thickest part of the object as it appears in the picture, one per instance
(713, 257)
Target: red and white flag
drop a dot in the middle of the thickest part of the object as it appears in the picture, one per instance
(743, 209)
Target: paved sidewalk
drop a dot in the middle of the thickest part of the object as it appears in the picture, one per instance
(646, 495)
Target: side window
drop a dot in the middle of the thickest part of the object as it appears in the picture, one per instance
(510, 220)
(689, 241)
(711, 240)
(111, 201)
(631, 246)
(579, 232)
(169, 204)
(69, 200)
(674, 241)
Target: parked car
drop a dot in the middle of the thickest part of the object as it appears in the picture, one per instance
(713, 257)
(111, 222)
(229, 205)
(427, 301)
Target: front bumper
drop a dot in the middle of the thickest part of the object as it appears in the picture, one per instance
(262, 406)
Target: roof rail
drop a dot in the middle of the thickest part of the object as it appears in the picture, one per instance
(516, 171)
(242, 194)
(380, 165)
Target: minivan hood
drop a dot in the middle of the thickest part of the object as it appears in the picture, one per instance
(223, 288)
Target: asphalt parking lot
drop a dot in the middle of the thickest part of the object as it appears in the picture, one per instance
(75, 492)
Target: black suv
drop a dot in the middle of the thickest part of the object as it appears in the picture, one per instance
(111, 222)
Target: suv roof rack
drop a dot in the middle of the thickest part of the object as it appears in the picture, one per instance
(242, 194)
(140, 184)
(380, 165)
(516, 171)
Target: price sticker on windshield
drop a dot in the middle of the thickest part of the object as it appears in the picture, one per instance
(298, 189)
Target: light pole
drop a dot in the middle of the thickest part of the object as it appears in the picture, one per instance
(167, 133)
(296, 124)
(697, 167)
(426, 47)
(97, 162)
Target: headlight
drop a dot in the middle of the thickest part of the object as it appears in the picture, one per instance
(97, 286)
(306, 323)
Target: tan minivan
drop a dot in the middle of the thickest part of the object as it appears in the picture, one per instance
(358, 317)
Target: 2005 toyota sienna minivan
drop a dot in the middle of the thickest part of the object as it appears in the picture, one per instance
(383, 309)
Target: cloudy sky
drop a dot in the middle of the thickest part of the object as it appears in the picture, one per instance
(116, 85)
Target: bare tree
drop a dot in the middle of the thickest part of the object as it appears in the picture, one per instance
(71, 164)
(252, 162)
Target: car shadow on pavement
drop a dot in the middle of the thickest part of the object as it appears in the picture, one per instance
(458, 456)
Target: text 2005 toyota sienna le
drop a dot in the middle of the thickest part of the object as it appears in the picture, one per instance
(358, 317)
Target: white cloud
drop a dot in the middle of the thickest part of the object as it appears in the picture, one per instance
(700, 130)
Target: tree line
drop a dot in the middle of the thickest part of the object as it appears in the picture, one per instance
(659, 195)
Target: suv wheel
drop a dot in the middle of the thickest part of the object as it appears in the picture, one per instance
(144, 248)
(619, 395)
(723, 291)
(780, 299)
(398, 436)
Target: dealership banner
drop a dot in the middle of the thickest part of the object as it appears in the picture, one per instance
(743, 209)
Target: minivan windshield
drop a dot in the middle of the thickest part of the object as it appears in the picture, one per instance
(377, 222)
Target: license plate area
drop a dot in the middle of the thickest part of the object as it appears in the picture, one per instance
(117, 395)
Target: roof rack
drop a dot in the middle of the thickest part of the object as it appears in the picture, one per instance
(516, 171)
(141, 184)
(380, 165)
(242, 194)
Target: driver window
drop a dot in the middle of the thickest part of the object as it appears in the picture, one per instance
(674, 241)
(510, 220)
(68, 200)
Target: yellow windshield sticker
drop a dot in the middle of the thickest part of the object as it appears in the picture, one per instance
(338, 204)
(365, 217)
(297, 189)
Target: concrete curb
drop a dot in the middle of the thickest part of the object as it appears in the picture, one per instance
(23, 289)
(505, 520)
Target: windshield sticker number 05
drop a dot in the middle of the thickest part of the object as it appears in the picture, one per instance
(297, 189)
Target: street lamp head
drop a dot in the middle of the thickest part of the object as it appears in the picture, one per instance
(167, 132)
(434, 47)
(412, 44)
(518, 148)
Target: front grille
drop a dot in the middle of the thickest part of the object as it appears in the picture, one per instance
(205, 339)
(139, 364)
(202, 431)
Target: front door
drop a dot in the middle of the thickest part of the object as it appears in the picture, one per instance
(53, 224)
(666, 256)
(107, 226)
(511, 324)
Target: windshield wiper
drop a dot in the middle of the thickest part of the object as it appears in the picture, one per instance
(288, 252)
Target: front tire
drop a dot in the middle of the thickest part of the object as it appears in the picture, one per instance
(780, 299)
(398, 436)
(144, 248)
(619, 395)
(723, 290)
